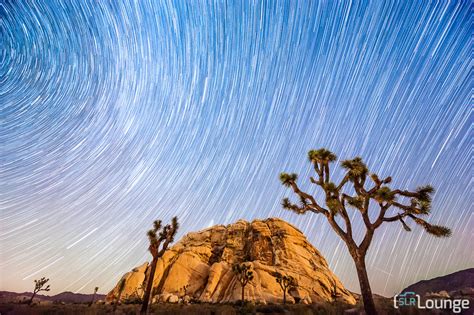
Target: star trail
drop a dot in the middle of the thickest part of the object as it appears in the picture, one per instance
(114, 114)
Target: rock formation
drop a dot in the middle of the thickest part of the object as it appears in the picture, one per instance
(199, 266)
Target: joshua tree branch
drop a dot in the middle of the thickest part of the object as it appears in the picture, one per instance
(353, 202)
(378, 183)
(405, 193)
(343, 182)
(365, 212)
(364, 245)
(361, 186)
(395, 218)
(304, 195)
(339, 231)
(317, 169)
(164, 248)
(326, 170)
(409, 209)
(399, 216)
(346, 218)
(298, 209)
(381, 217)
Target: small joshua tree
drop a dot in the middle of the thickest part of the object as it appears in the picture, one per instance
(365, 201)
(93, 295)
(334, 294)
(39, 286)
(185, 289)
(244, 275)
(139, 294)
(286, 283)
(160, 238)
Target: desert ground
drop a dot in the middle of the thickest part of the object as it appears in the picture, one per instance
(200, 309)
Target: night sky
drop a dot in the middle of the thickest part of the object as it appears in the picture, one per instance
(116, 114)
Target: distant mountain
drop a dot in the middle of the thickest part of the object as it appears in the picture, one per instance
(66, 297)
(458, 283)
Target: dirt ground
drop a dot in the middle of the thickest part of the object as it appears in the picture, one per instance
(171, 309)
(198, 309)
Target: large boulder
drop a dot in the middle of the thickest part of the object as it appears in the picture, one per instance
(133, 284)
(200, 265)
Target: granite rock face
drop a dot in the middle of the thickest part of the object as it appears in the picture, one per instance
(200, 266)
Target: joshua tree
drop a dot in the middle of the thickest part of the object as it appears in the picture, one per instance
(39, 286)
(160, 238)
(286, 283)
(185, 289)
(120, 291)
(365, 200)
(93, 295)
(139, 293)
(244, 275)
(334, 293)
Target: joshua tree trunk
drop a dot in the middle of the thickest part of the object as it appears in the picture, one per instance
(365, 290)
(243, 295)
(31, 300)
(117, 301)
(149, 285)
(284, 296)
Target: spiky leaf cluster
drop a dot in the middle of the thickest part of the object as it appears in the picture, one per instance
(39, 285)
(355, 202)
(286, 179)
(333, 204)
(243, 272)
(356, 168)
(299, 209)
(330, 187)
(285, 282)
(433, 229)
(321, 156)
(424, 193)
(384, 194)
(375, 178)
(420, 206)
(162, 235)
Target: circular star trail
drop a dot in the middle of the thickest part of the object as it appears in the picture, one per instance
(115, 114)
